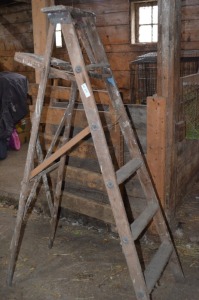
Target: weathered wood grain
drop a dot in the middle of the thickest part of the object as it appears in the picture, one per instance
(88, 207)
(168, 86)
(156, 143)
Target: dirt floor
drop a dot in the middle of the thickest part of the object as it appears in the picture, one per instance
(86, 261)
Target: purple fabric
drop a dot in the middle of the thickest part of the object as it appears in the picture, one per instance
(14, 142)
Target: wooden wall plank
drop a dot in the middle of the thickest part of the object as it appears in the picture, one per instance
(156, 139)
(63, 93)
(191, 45)
(15, 35)
(5, 10)
(189, 2)
(84, 150)
(84, 178)
(118, 34)
(190, 18)
(120, 61)
(10, 30)
(51, 115)
(88, 207)
(190, 35)
(16, 17)
(189, 25)
(190, 13)
(99, 7)
(117, 18)
(123, 48)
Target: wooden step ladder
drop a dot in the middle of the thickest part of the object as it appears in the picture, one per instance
(79, 31)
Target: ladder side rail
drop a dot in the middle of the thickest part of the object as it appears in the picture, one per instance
(82, 34)
(44, 178)
(61, 168)
(105, 161)
(30, 156)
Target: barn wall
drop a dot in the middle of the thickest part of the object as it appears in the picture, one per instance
(190, 30)
(113, 26)
(15, 35)
(112, 18)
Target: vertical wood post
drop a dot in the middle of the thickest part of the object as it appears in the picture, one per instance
(156, 150)
(40, 28)
(168, 86)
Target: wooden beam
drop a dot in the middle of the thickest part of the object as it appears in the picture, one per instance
(88, 207)
(61, 151)
(53, 115)
(156, 150)
(40, 28)
(168, 86)
(63, 93)
(82, 177)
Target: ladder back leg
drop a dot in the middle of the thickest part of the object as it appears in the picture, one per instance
(130, 139)
(62, 162)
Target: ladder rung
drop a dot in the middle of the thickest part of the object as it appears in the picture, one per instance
(157, 264)
(97, 66)
(144, 218)
(128, 169)
(98, 76)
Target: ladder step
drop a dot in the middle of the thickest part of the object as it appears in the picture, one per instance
(128, 169)
(144, 218)
(155, 268)
(97, 66)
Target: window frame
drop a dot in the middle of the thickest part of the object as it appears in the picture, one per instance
(134, 11)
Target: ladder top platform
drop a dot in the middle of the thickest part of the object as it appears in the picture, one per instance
(75, 12)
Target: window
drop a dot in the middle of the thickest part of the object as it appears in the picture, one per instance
(58, 36)
(144, 22)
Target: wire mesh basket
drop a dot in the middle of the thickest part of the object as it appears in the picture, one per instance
(144, 73)
(190, 96)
